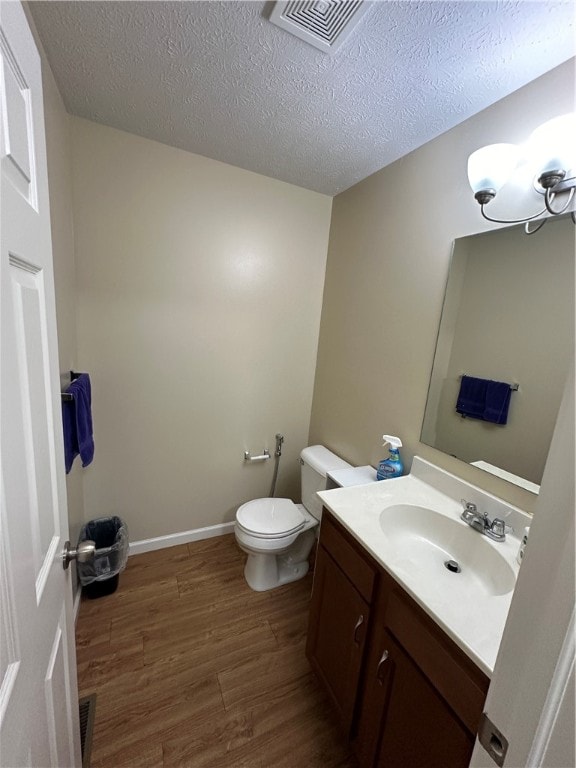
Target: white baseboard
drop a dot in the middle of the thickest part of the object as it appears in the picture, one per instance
(173, 539)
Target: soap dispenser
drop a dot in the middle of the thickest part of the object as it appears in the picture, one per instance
(391, 466)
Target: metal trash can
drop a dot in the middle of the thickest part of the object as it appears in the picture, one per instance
(99, 576)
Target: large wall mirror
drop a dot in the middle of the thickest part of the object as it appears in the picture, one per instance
(508, 316)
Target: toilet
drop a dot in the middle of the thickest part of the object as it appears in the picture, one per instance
(277, 534)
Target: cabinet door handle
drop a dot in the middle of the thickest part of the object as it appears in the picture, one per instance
(357, 627)
(383, 658)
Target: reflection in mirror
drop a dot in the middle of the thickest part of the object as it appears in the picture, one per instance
(508, 316)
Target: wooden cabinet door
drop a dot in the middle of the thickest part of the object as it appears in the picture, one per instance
(336, 635)
(421, 697)
(418, 727)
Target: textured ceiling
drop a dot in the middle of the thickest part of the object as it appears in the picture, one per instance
(218, 79)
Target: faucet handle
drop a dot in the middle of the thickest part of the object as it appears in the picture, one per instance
(501, 525)
(498, 529)
(471, 510)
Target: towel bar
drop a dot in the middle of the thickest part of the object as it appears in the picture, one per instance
(66, 396)
(514, 387)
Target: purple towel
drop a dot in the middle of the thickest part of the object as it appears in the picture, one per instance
(472, 397)
(70, 438)
(484, 399)
(497, 402)
(77, 423)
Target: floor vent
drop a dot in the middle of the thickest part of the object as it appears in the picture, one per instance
(324, 24)
(87, 707)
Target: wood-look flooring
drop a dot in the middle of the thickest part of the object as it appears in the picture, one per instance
(193, 668)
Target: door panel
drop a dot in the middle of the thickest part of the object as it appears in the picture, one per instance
(31, 340)
(17, 145)
(9, 647)
(55, 692)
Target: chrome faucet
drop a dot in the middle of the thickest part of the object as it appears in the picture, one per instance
(495, 529)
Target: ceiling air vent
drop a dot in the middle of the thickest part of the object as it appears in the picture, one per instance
(325, 24)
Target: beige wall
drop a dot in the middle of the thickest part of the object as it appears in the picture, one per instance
(58, 149)
(390, 243)
(199, 290)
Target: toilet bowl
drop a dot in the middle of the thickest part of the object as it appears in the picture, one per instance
(277, 534)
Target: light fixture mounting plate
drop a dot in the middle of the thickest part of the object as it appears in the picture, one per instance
(550, 179)
(484, 196)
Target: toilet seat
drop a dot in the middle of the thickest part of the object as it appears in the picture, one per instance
(270, 518)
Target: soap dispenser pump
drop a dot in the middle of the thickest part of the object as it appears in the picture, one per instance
(391, 466)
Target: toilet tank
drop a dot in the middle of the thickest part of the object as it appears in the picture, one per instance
(315, 461)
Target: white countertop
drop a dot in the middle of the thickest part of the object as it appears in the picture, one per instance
(475, 622)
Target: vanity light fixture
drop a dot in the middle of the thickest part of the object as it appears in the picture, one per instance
(551, 151)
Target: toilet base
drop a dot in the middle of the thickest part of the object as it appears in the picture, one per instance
(268, 571)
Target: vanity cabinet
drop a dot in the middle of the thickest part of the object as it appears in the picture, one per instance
(407, 695)
(344, 581)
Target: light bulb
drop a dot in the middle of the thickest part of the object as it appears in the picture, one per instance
(490, 167)
(552, 146)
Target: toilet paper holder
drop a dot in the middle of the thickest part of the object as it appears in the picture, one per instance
(263, 456)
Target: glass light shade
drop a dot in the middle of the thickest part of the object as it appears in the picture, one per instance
(552, 146)
(490, 167)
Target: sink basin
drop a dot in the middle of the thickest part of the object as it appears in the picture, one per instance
(424, 540)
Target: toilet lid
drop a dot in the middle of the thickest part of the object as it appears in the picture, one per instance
(270, 517)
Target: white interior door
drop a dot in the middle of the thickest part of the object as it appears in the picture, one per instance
(38, 688)
(531, 694)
